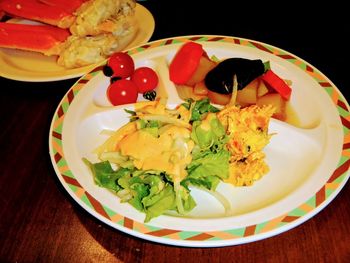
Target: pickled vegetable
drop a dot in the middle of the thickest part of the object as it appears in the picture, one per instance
(220, 78)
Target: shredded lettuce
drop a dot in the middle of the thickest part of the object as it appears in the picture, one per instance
(210, 162)
(199, 108)
(206, 137)
(105, 176)
(150, 192)
(165, 201)
(155, 192)
(209, 169)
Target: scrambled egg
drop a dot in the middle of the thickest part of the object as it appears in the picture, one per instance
(247, 129)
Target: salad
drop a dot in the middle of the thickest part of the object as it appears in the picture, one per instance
(154, 160)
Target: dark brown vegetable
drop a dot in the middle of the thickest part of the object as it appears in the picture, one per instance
(220, 78)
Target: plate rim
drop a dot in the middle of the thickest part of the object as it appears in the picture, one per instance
(234, 236)
(75, 72)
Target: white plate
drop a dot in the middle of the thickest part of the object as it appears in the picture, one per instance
(33, 66)
(309, 164)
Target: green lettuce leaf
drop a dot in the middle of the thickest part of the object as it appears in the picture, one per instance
(165, 201)
(199, 108)
(210, 161)
(214, 137)
(208, 169)
(105, 176)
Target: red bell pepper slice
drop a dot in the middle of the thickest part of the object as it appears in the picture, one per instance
(276, 83)
(185, 62)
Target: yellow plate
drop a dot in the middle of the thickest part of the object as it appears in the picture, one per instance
(33, 66)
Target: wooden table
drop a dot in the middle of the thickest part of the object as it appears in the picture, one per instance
(40, 222)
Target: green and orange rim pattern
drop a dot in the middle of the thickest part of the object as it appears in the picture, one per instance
(334, 182)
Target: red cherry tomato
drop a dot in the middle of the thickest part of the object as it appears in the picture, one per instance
(122, 64)
(145, 78)
(121, 92)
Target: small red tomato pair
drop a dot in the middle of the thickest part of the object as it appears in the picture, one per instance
(124, 90)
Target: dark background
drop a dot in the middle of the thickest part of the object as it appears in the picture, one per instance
(316, 32)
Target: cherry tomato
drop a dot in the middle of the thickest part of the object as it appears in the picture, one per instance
(145, 78)
(122, 91)
(121, 64)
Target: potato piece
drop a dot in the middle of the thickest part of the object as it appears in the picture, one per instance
(262, 89)
(253, 84)
(200, 88)
(288, 82)
(248, 94)
(217, 98)
(205, 65)
(277, 101)
(186, 92)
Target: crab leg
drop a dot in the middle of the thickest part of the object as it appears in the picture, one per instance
(2, 13)
(40, 38)
(82, 32)
(34, 10)
(68, 5)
